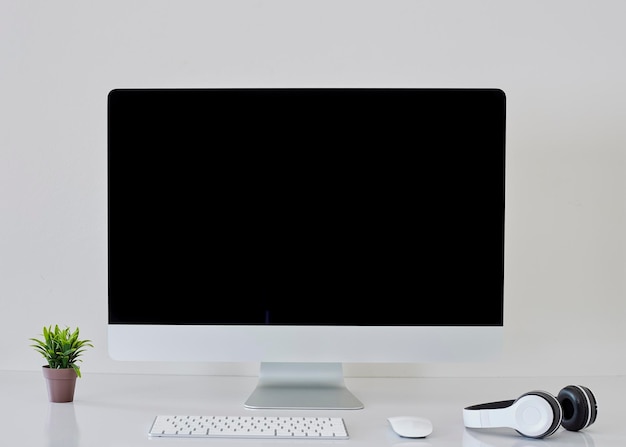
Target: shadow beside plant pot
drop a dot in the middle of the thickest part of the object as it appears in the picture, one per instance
(62, 426)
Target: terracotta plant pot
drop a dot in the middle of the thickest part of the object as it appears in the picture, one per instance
(61, 383)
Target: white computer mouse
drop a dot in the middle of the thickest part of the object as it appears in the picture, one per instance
(411, 426)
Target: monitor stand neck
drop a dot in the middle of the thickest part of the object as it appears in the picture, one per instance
(300, 386)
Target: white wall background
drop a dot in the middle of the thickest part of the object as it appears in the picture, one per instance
(562, 64)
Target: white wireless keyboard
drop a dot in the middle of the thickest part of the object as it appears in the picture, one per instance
(266, 427)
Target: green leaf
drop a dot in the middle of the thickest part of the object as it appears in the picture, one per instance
(61, 347)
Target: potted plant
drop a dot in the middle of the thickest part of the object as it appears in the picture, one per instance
(61, 348)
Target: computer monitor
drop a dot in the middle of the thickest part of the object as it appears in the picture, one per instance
(306, 228)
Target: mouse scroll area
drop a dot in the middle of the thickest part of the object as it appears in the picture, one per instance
(411, 426)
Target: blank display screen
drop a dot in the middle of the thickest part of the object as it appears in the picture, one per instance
(306, 206)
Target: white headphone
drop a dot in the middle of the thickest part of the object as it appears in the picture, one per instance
(537, 414)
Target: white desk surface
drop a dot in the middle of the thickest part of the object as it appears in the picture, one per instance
(117, 410)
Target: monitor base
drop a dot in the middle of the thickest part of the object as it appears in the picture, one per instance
(302, 386)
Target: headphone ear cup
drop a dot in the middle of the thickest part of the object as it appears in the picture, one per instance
(579, 407)
(536, 413)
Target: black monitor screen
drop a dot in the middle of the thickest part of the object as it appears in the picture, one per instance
(306, 206)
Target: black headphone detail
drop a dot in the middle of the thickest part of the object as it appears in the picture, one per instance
(537, 414)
